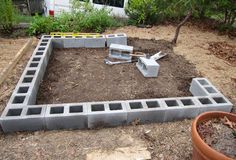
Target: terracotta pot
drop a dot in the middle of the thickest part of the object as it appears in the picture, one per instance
(201, 151)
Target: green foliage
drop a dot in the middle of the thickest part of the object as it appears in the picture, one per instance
(40, 25)
(83, 18)
(143, 11)
(7, 15)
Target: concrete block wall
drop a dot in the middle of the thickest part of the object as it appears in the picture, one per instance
(27, 87)
(21, 114)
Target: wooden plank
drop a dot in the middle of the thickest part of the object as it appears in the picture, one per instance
(12, 63)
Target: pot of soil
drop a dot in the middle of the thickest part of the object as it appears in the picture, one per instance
(214, 136)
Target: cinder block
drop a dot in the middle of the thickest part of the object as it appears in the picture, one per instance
(119, 38)
(174, 109)
(28, 118)
(215, 103)
(77, 42)
(145, 111)
(148, 67)
(203, 87)
(95, 41)
(120, 51)
(58, 42)
(66, 116)
(106, 114)
(190, 106)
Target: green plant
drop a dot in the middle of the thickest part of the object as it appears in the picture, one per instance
(40, 24)
(83, 18)
(7, 15)
(143, 11)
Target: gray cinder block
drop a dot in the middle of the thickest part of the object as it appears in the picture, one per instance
(27, 118)
(203, 87)
(120, 51)
(66, 116)
(77, 42)
(148, 67)
(119, 38)
(106, 114)
(145, 111)
(95, 41)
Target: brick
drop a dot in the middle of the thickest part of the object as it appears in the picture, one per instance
(119, 38)
(148, 67)
(145, 111)
(28, 118)
(120, 51)
(95, 41)
(66, 116)
(106, 114)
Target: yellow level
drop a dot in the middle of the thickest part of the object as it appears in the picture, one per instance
(74, 34)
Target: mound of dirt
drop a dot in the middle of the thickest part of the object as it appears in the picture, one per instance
(80, 75)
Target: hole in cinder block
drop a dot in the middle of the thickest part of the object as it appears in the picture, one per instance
(205, 101)
(47, 36)
(203, 82)
(219, 100)
(89, 36)
(144, 67)
(18, 99)
(34, 64)
(14, 112)
(43, 44)
(39, 53)
(98, 107)
(56, 110)
(31, 72)
(76, 109)
(187, 102)
(120, 35)
(41, 48)
(210, 90)
(115, 106)
(34, 111)
(45, 40)
(23, 90)
(69, 37)
(36, 59)
(152, 104)
(136, 105)
(171, 103)
(78, 36)
(57, 36)
(27, 80)
(111, 35)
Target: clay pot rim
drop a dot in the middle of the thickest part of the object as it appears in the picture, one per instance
(199, 142)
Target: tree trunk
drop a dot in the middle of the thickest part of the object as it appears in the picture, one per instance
(179, 26)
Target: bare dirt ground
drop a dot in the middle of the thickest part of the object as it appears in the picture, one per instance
(8, 49)
(80, 75)
(160, 141)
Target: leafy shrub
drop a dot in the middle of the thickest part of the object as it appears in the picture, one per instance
(143, 11)
(7, 15)
(83, 18)
(40, 25)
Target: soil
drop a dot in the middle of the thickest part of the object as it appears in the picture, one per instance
(8, 49)
(220, 134)
(224, 50)
(80, 75)
(193, 44)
